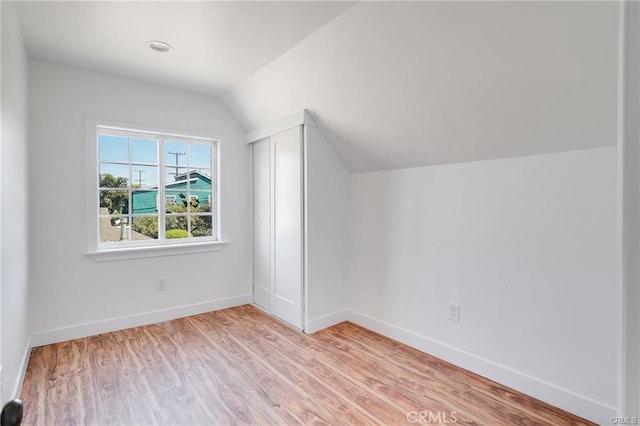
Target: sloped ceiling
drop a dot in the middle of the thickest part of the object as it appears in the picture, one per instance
(391, 84)
(395, 85)
(216, 44)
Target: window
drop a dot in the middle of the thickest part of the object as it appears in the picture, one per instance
(135, 170)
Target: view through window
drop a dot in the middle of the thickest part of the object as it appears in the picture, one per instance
(155, 189)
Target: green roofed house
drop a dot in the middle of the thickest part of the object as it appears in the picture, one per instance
(196, 188)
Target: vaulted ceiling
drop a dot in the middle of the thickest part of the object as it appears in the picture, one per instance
(216, 44)
(391, 84)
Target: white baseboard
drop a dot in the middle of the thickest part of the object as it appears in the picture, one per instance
(22, 371)
(318, 324)
(113, 324)
(544, 391)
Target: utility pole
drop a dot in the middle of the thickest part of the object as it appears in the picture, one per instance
(140, 180)
(177, 154)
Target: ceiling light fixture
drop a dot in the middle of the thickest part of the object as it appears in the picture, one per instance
(159, 46)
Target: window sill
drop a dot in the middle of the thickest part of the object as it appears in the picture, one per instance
(155, 251)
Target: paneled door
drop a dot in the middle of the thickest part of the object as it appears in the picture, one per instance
(278, 225)
(287, 226)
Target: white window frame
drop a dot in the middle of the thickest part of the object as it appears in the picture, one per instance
(148, 248)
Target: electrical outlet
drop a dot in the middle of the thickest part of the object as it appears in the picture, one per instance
(454, 312)
(162, 284)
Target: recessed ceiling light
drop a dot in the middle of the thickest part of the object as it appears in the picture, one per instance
(159, 46)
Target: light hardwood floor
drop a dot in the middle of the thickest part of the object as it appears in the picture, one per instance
(240, 366)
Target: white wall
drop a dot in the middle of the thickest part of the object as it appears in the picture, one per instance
(527, 246)
(69, 288)
(13, 225)
(327, 196)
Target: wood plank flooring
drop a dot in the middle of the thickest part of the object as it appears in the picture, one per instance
(240, 366)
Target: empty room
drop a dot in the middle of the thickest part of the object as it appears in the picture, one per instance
(318, 212)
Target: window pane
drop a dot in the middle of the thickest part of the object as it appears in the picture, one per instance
(113, 148)
(144, 151)
(175, 177)
(179, 205)
(113, 228)
(114, 175)
(177, 226)
(205, 199)
(175, 154)
(144, 177)
(199, 190)
(144, 201)
(169, 202)
(144, 228)
(136, 195)
(200, 184)
(201, 225)
(114, 201)
(193, 203)
(200, 156)
(204, 172)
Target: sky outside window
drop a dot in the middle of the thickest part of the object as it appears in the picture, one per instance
(138, 162)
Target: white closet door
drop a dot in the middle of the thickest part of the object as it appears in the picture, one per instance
(262, 224)
(287, 214)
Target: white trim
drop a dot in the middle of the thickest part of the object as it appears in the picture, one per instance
(253, 228)
(309, 326)
(92, 181)
(303, 227)
(220, 207)
(161, 247)
(547, 392)
(294, 120)
(114, 324)
(22, 370)
(325, 321)
(125, 253)
(126, 129)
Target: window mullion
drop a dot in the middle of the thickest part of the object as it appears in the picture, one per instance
(162, 198)
(189, 193)
(188, 177)
(129, 224)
